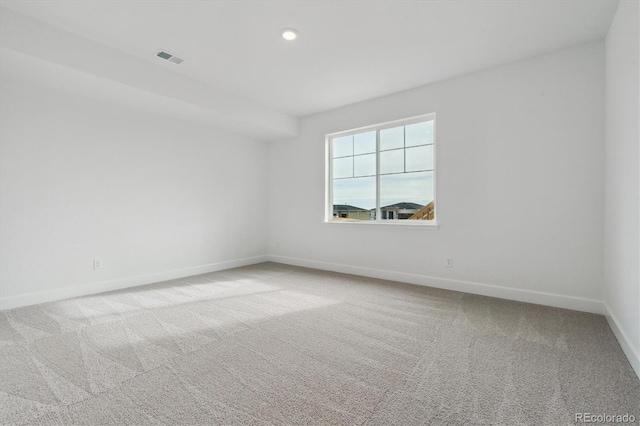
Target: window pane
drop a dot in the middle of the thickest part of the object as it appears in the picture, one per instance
(388, 167)
(365, 143)
(364, 165)
(430, 133)
(392, 138)
(420, 158)
(354, 198)
(343, 167)
(392, 161)
(405, 193)
(343, 146)
(419, 133)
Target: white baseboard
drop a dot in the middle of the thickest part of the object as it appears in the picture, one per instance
(625, 342)
(521, 295)
(117, 284)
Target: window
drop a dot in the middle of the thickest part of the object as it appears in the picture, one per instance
(383, 173)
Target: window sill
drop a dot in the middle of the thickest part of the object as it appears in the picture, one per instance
(432, 226)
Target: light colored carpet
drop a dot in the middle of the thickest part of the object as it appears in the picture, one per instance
(273, 344)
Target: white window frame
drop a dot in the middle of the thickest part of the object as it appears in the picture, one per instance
(426, 224)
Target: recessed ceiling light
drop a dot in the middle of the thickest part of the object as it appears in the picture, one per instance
(289, 34)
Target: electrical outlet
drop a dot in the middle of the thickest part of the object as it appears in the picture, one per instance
(448, 262)
(97, 264)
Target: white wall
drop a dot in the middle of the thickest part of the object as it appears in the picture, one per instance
(151, 197)
(622, 180)
(519, 186)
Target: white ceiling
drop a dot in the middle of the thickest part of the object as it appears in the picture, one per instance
(347, 51)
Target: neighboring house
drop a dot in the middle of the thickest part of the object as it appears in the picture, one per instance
(400, 210)
(425, 213)
(345, 211)
(403, 210)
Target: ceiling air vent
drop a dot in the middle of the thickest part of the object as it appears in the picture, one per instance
(169, 57)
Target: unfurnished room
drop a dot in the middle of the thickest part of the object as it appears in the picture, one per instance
(319, 212)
